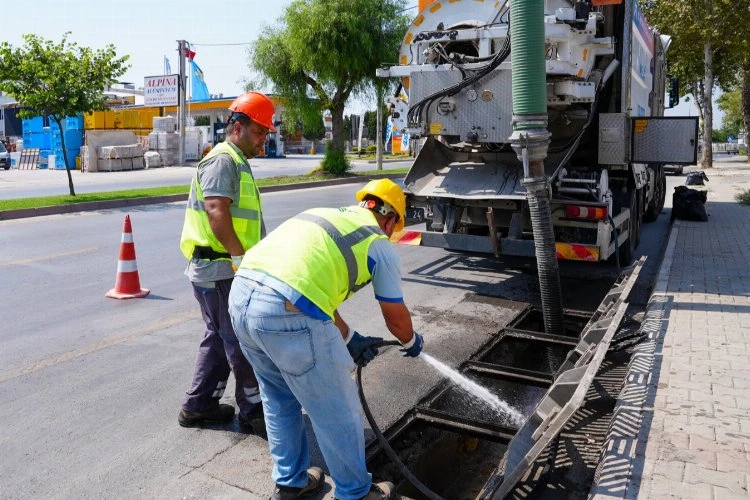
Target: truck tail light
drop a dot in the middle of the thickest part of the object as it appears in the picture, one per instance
(586, 212)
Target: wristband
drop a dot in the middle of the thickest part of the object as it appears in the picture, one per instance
(348, 335)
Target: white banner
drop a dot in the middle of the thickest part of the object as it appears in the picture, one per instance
(161, 90)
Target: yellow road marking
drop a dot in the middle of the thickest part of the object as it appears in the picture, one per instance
(98, 346)
(49, 256)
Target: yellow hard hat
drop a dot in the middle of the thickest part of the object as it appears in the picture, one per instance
(389, 192)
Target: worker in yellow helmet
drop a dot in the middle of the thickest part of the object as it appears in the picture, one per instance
(223, 219)
(284, 308)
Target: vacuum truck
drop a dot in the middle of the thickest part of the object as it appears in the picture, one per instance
(558, 100)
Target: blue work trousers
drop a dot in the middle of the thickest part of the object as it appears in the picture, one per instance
(218, 354)
(301, 362)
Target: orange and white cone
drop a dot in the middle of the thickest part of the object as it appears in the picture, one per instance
(127, 283)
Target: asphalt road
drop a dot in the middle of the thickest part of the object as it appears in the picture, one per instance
(91, 386)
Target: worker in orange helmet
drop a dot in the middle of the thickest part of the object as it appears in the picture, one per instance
(223, 219)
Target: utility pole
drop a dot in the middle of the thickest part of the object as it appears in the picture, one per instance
(181, 48)
(379, 101)
(379, 128)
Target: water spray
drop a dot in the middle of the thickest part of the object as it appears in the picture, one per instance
(451, 374)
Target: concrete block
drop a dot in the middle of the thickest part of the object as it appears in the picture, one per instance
(110, 165)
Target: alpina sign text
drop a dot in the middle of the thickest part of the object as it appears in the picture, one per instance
(160, 90)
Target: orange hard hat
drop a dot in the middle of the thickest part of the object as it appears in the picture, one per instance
(256, 106)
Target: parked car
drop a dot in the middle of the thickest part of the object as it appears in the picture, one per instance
(675, 169)
(4, 157)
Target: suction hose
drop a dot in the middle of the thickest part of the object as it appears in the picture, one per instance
(530, 140)
(383, 441)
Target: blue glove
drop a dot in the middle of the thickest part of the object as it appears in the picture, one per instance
(361, 348)
(412, 348)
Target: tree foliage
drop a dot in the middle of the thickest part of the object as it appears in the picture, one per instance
(731, 104)
(704, 50)
(313, 128)
(322, 52)
(58, 79)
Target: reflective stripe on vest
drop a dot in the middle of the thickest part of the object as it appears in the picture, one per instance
(321, 253)
(245, 211)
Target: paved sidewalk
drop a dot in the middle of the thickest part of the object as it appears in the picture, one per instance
(682, 422)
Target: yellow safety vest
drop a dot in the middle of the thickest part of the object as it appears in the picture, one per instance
(196, 231)
(321, 253)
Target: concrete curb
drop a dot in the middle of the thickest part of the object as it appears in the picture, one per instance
(620, 469)
(129, 202)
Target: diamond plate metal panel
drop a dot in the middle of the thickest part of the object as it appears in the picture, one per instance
(613, 138)
(672, 140)
(485, 108)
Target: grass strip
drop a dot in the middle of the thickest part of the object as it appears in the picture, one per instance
(50, 201)
(744, 197)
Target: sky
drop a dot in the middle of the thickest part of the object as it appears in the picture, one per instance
(219, 31)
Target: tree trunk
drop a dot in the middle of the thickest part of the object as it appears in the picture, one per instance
(59, 120)
(699, 101)
(379, 126)
(708, 87)
(337, 124)
(746, 103)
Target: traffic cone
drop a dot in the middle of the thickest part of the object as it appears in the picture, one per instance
(127, 283)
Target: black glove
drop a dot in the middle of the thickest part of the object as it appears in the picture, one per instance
(361, 348)
(412, 348)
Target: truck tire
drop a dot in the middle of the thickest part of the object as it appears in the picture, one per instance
(656, 204)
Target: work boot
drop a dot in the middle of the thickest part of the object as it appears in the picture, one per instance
(221, 413)
(254, 422)
(380, 491)
(315, 482)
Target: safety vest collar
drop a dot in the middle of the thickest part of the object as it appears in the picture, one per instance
(345, 243)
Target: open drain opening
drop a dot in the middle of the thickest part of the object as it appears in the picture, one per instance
(527, 354)
(533, 320)
(453, 442)
(453, 465)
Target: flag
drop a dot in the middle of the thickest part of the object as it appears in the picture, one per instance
(388, 130)
(405, 142)
(199, 89)
(189, 54)
(167, 66)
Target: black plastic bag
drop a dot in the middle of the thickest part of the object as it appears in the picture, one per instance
(696, 178)
(689, 204)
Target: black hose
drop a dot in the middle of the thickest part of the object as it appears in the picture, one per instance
(383, 441)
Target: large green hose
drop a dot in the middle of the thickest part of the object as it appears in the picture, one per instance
(528, 62)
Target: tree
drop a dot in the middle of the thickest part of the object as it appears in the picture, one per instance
(704, 42)
(58, 79)
(328, 50)
(313, 128)
(731, 104)
(202, 121)
(371, 123)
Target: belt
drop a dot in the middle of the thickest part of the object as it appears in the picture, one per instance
(208, 253)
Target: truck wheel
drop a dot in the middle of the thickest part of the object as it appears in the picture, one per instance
(7, 167)
(656, 204)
